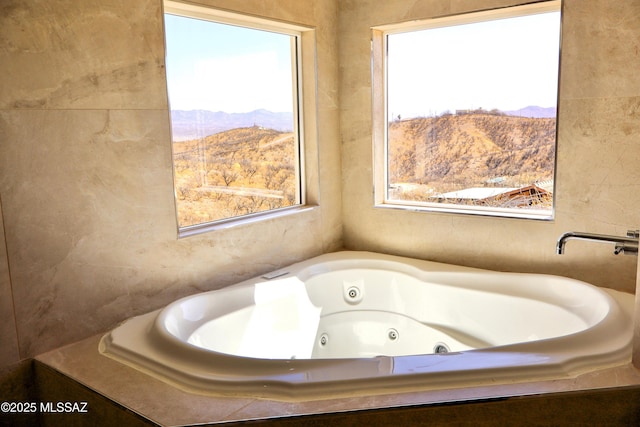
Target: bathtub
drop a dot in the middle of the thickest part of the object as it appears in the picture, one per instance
(352, 323)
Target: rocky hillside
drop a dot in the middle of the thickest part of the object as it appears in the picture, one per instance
(235, 172)
(453, 152)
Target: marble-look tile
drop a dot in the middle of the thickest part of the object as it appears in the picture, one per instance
(600, 49)
(599, 136)
(145, 395)
(298, 12)
(98, 411)
(86, 194)
(465, 6)
(329, 157)
(88, 54)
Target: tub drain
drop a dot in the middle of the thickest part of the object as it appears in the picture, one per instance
(441, 348)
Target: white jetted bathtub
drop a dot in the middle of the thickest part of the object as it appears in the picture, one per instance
(360, 323)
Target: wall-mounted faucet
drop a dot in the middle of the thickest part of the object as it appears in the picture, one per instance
(627, 245)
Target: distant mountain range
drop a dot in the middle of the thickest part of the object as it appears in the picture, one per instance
(533, 111)
(193, 124)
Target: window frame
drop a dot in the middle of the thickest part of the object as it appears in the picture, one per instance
(304, 114)
(379, 61)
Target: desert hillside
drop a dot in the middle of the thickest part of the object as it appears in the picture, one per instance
(252, 169)
(457, 151)
(235, 172)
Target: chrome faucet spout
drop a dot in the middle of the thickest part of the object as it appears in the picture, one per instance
(625, 245)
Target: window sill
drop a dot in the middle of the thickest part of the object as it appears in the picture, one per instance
(244, 220)
(534, 214)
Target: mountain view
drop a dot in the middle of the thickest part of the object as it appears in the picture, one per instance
(429, 157)
(251, 164)
(234, 172)
(193, 124)
(533, 112)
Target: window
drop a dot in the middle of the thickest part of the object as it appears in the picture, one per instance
(470, 108)
(235, 101)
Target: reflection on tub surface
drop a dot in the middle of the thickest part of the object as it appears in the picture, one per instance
(355, 321)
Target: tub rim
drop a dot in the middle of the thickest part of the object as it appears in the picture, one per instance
(539, 359)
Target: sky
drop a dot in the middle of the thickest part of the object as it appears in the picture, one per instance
(220, 67)
(506, 64)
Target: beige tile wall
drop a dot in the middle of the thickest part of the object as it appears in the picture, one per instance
(86, 178)
(598, 177)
